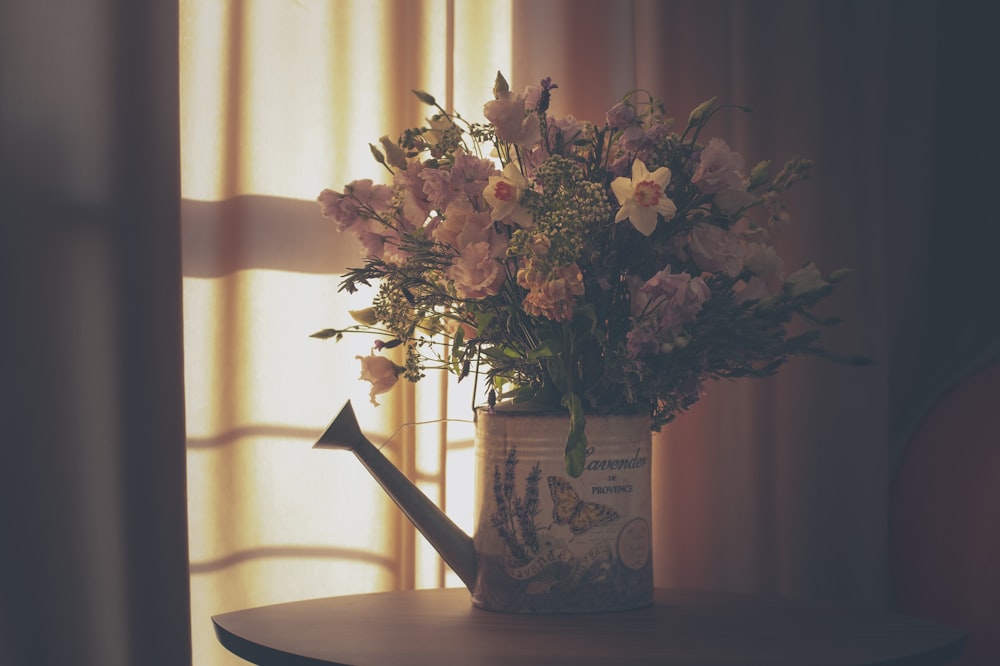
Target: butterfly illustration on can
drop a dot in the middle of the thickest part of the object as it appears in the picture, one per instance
(568, 509)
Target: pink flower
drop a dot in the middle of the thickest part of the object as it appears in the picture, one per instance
(416, 206)
(470, 174)
(715, 250)
(621, 115)
(476, 272)
(660, 308)
(437, 187)
(753, 290)
(373, 243)
(551, 296)
(462, 225)
(511, 120)
(381, 372)
(719, 168)
(361, 199)
(763, 261)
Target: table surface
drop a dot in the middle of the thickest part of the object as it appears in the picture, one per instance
(687, 627)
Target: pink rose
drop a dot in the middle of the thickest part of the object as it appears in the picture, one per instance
(381, 372)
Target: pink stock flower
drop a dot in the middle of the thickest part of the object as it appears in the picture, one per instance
(661, 307)
(551, 296)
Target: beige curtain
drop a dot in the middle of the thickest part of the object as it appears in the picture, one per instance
(93, 537)
(777, 486)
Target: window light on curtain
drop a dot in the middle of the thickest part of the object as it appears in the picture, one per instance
(280, 100)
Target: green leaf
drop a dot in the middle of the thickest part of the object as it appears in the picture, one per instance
(326, 334)
(456, 344)
(576, 442)
(543, 350)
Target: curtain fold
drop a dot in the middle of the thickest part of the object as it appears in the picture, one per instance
(93, 502)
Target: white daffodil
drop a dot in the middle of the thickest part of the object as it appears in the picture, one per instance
(503, 194)
(642, 197)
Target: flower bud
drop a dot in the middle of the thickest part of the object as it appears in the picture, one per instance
(366, 316)
(426, 98)
(500, 87)
(839, 274)
(805, 280)
(701, 112)
(394, 155)
(759, 174)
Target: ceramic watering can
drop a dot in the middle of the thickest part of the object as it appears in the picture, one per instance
(583, 546)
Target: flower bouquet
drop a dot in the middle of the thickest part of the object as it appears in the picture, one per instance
(605, 268)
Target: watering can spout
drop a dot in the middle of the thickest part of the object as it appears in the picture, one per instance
(453, 544)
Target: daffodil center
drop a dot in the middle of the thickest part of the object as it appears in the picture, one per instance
(647, 193)
(504, 191)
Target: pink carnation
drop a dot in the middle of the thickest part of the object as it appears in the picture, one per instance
(719, 169)
(360, 199)
(476, 272)
(462, 225)
(716, 250)
(470, 174)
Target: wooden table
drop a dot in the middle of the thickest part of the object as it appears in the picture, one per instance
(682, 627)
